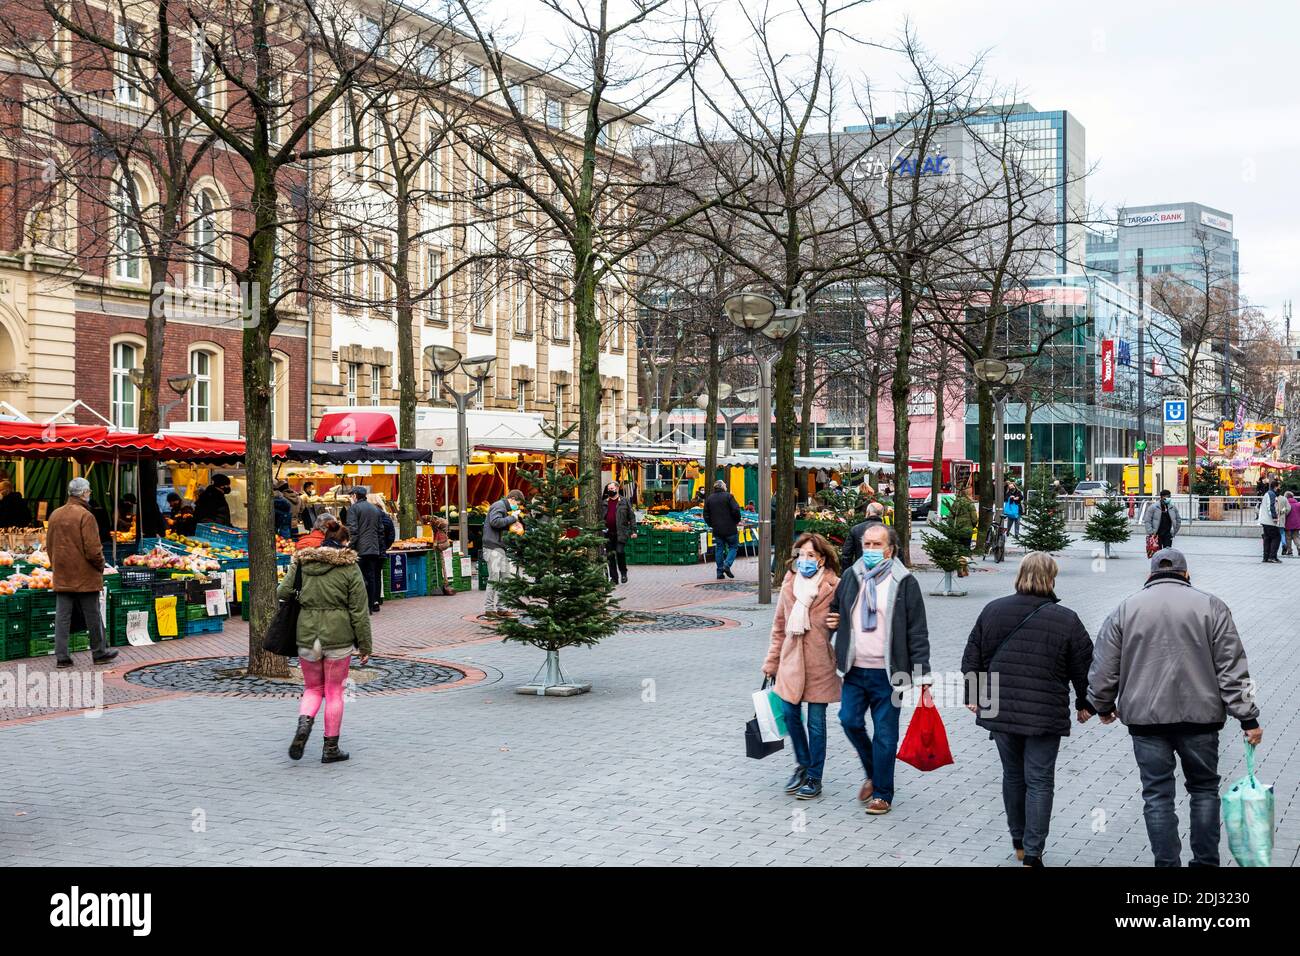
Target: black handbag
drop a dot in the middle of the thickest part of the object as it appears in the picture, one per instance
(755, 746)
(282, 635)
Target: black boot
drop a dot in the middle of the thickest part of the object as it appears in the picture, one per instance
(300, 736)
(331, 753)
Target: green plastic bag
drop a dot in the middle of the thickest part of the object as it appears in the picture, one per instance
(1248, 817)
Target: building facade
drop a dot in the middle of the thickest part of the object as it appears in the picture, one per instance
(1175, 239)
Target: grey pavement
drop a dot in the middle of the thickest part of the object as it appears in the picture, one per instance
(647, 769)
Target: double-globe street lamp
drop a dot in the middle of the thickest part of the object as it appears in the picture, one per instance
(702, 403)
(444, 360)
(1000, 375)
(758, 315)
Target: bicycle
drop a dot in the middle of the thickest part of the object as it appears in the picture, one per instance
(997, 543)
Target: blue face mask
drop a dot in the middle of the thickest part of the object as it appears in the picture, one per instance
(807, 566)
(872, 558)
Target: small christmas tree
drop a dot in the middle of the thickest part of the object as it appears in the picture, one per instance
(561, 595)
(1108, 524)
(1044, 524)
(1208, 482)
(949, 546)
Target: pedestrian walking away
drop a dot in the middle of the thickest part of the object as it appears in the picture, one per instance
(1023, 655)
(505, 516)
(77, 562)
(1292, 525)
(1170, 665)
(620, 527)
(333, 621)
(365, 526)
(881, 641)
(722, 515)
(1161, 519)
(1012, 505)
(852, 550)
(802, 659)
(1272, 517)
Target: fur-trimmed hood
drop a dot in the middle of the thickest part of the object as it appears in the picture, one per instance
(328, 557)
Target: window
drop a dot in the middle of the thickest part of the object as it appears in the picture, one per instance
(359, 260)
(521, 396)
(431, 167)
(472, 81)
(522, 325)
(123, 391)
(435, 385)
(559, 321)
(124, 68)
(559, 406)
(519, 96)
(370, 31)
(478, 292)
(127, 261)
(347, 136)
(354, 372)
(379, 289)
(280, 395)
(201, 367)
(274, 106)
(429, 60)
(201, 70)
(204, 239)
(376, 384)
(554, 113)
(433, 272)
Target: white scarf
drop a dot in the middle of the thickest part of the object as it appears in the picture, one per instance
(805, 592)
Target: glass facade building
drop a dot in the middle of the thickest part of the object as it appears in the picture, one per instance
(1079, 427)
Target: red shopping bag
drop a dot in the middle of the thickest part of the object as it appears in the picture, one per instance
(925, 745)
(1153, 545)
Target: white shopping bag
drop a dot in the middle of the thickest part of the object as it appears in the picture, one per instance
(770, 715)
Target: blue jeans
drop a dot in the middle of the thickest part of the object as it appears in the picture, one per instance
(809, 744)
(1028, 785)
(869, 689)
(1199, 755)
(724, 550)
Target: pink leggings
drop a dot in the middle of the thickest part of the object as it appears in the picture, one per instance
(324, 679)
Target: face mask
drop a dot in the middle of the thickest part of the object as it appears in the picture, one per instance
(611, 492)
(807, 566)
(872, 558)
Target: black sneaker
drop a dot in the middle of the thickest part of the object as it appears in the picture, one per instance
(721, 575)
(625, 579)
(105, 657)
(809, 791)
(728, 572)
(63, 664)
(1033, 861)
(797, 780)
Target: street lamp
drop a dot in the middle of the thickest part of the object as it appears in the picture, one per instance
(444, 359)
(756, 315)
(702, 403)
(1000, 376)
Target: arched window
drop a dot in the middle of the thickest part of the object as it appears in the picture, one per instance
(124, 395)
(279, 395)
(205, 395)
(204, 239)
(128, 257)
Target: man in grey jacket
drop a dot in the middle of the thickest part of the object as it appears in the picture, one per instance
(366, 537)
(1169, 663)
(504, 514)
(1161, 519)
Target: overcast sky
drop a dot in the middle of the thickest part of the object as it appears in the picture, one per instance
(1181, 101)
(1191, 101)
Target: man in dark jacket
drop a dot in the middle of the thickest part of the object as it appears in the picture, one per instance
(77, 560)
(1023, 655)
(881, 643)
(211, 506)
(852, 549)
(366, 535)
(722, 515)
(620, 526)
(1170, 664)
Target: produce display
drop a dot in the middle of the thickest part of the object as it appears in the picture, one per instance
(206, 549)
(412, 544)
(40, 559)
(38, 580)
(160, 559)
(284, 545)
(6, 559)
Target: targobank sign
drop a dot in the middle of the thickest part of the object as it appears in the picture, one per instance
(1157, 218)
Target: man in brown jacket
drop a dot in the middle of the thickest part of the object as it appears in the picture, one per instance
(77, 560)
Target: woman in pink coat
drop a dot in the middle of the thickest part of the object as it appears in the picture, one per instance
(802, 659)
(1292, 526)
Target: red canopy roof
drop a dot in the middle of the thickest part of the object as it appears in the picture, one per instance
(96, 443)
(376, 429)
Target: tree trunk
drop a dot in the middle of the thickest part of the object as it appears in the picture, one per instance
(783, 441)
(260, 590)
(936, 464)
(587, 327)
(805, 412)
(711, 413)
(150, 520)
(985, 477)
(406, 375)
(899, 389)
(873, 422)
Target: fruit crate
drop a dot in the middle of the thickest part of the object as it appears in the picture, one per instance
(132, 578)
(223, 535)
(14, 646)
(40, 646)
(206, 625)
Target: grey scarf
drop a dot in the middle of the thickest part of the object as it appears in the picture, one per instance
(869, 579)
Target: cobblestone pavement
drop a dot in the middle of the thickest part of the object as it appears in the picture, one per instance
(648, 768)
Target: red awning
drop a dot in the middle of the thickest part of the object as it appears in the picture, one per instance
(1179, 451)
(376, 429)
(96, 443)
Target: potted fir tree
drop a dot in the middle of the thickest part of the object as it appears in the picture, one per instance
(1108, 524)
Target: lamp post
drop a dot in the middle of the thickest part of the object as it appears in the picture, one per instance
(444, 359)
(758, 315)
(1000, 376)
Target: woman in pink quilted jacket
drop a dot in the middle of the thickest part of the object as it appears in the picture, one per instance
(1292, 529)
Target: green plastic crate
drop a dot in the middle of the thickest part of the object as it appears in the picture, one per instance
(15, 646)
(40, 647)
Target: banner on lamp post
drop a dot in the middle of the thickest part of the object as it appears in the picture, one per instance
(1108, 365)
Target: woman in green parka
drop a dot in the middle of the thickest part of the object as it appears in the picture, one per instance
(334, 619)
